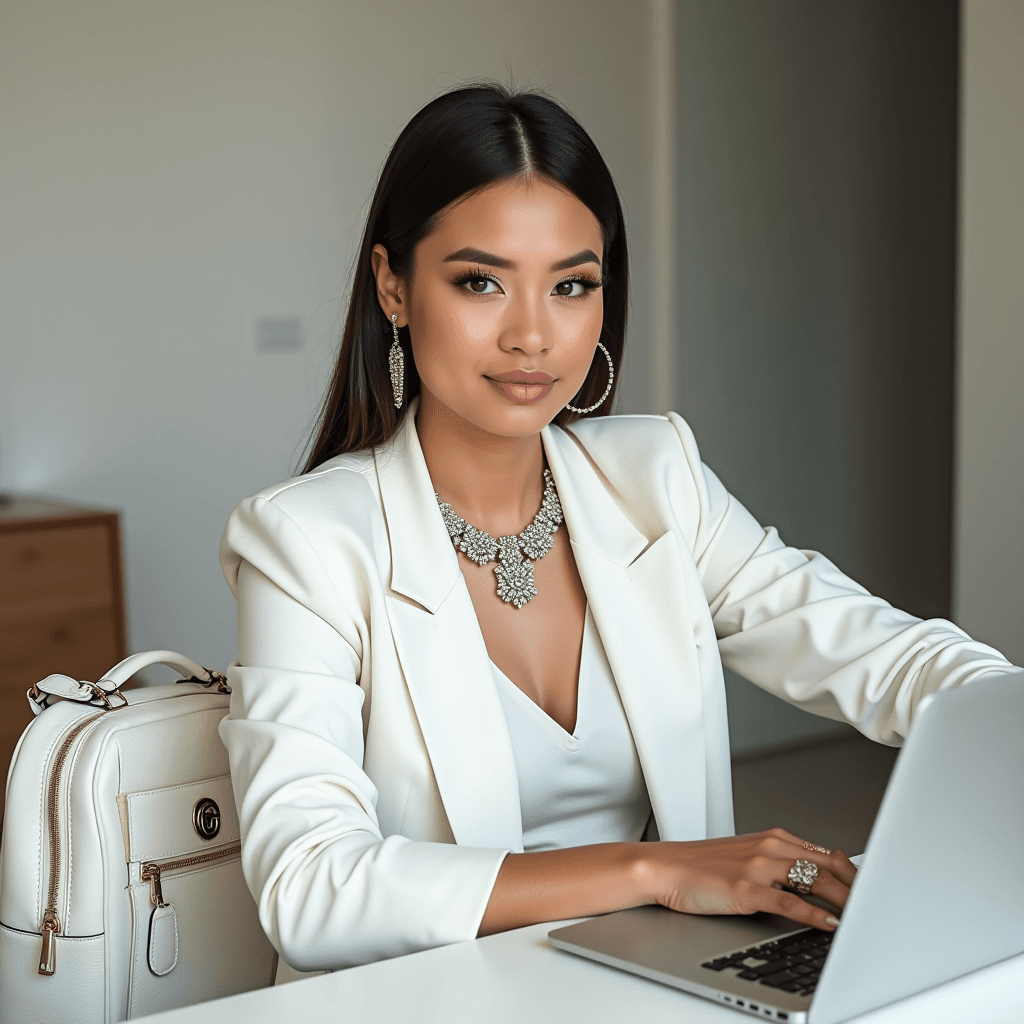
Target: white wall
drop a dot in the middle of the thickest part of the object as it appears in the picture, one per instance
(989, 565)
(172, 171)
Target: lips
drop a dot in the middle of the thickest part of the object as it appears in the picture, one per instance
(522, 377)
(522, 386)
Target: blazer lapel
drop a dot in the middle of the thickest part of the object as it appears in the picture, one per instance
(638, 598)
(637, 595)
(444, 657)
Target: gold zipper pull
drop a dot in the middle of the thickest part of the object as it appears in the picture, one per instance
(48, 955)
(151, 873)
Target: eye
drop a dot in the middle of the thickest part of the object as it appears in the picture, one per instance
(574, 287)
(479, 284)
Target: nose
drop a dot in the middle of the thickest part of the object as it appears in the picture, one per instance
(527, 329)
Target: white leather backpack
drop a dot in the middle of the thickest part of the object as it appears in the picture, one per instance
(121, 889)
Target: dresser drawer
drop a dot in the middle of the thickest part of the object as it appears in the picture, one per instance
(71, 561)
(60, 602)
(16, 715)
(82, 644)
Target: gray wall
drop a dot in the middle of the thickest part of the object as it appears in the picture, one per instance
(989, 588)
(173, 171)
(816, 170)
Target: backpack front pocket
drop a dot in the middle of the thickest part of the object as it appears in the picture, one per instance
(192, 915)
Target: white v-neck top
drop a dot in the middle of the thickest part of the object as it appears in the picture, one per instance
(580, 789)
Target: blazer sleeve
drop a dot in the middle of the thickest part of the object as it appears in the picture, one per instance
(790, 622)
(331, 890)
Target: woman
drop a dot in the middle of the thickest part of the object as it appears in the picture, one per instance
(431, 741)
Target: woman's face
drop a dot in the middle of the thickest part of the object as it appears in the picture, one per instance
(504, 306)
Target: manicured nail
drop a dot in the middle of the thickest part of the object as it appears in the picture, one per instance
(832, 922)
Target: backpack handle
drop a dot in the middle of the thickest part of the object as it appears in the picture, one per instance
(191, 670)
(99, 692)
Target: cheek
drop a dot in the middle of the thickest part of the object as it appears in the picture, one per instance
(448, 338)
(592, 323)
(443, 317)
(464, 324)
(581, 330)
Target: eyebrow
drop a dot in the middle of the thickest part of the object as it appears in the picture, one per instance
(471, 255)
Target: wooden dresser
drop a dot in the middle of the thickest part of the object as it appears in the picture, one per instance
(61, 602)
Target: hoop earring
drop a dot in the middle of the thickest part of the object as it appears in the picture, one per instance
(607, 390)
(396, 364)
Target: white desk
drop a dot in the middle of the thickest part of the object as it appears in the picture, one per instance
(516, 977)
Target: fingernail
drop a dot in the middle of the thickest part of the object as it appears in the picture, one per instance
(832, 922)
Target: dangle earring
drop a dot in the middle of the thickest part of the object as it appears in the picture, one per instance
(607, 390)
(396, 363)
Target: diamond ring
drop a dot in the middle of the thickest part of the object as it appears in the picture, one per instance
(817, 849)
(802, 875)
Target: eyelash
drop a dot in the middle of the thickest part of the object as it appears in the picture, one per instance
(589, 283)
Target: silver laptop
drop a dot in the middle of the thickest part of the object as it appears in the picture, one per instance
(940, 891)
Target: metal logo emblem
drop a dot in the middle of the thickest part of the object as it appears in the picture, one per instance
(206, 818)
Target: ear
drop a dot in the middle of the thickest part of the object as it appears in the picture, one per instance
(390, 288)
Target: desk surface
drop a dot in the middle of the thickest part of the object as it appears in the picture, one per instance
(517, 976)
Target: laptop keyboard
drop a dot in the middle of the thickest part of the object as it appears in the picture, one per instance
(792, 964)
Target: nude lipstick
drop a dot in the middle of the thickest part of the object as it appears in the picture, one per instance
(522, 386)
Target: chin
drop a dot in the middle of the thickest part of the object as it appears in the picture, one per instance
(521, 422)
(515, 421)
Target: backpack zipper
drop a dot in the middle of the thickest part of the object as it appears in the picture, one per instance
(51, 926)
(152, 870)
(51, 923)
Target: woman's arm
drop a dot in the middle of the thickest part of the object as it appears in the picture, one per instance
(791, 622)
(330, 888)
(735, 875)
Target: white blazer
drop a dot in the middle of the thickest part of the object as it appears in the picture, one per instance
(373, 771)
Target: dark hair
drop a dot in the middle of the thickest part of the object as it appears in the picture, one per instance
(459, 142)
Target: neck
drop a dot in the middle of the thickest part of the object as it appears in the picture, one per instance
(493, 482)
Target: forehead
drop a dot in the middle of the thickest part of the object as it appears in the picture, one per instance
(525, 219)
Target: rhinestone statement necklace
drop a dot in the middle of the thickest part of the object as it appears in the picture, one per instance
(515, 574)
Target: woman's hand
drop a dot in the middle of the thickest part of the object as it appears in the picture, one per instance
(738, 875)
(745, 874)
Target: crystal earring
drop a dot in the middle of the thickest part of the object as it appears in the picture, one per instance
(607, 390)
(396, 363)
